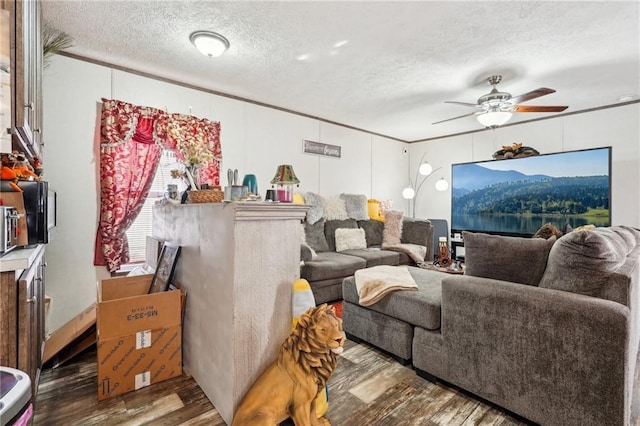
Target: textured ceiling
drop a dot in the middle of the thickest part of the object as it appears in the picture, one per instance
(400, 62)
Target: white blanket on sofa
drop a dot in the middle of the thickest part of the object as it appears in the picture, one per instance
(414, 251)
(376, 282)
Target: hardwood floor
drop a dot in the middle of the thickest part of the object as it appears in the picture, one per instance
(68, 396)
(367, 388)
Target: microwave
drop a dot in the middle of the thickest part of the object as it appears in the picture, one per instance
(40, 215)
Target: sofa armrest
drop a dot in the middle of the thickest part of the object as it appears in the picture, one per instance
(420, 232)
(307, 254)
(565, 356)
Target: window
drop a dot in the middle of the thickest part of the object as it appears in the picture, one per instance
(141, 228)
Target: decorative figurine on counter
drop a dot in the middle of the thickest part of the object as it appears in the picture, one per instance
(16, 167)
(37, 166)
(9, 174)
(20, 165)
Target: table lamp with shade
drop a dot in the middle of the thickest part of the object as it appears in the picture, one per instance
(284, 179)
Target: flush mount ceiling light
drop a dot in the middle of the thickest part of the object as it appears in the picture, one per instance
(209, 43)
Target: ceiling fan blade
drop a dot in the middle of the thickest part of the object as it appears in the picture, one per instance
(524, 108)
(455, 118)
(462, 103)
(531, 95)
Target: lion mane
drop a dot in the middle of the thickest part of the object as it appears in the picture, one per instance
(303, 345)
(289, 386)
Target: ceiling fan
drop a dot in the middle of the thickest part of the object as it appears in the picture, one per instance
(495, 108)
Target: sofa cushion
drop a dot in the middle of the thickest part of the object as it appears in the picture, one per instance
(350, 238)
(315, 237)
(330, 227)
(315, 212)
(328, 265)
(420, 308)
(356, 205)
(334, 208)
(515, 259)
(583, 261)
(372, 231)
(414, 231)
(392, 228)
(374, 256)
(327, 290)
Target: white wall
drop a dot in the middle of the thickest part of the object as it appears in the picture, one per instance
(254, 140)
(617, 127)
(70, 160)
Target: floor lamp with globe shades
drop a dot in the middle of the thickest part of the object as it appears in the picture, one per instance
(425, 170)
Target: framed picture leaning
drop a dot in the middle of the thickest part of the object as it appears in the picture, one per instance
(166, 267)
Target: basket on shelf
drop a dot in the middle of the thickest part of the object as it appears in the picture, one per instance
(211, 195)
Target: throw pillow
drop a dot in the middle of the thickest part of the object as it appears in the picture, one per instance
(303, 235)
(334, 208)
(298, 198)
(583, 261)
(330, 227)
(514, 259)
(385, 206)
(372, 232)
(356, 205)
(392, 232)
(373, 208)
(348, 239)
(306, 252)
(315, 236)
(415, 231)
(315, 212)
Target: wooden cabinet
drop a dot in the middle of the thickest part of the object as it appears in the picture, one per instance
(22, 325)
(31, 319)
(26, 75)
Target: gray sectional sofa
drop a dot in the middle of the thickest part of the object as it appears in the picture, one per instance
(546, 329)
(326, 270)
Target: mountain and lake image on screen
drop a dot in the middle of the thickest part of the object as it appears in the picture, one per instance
(518, 196)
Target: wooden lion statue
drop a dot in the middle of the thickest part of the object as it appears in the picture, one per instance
(289, 386)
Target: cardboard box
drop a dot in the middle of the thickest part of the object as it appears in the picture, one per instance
(68, 334)
(139, 335)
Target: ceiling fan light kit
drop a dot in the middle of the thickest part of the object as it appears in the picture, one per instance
(493, 119)
(496, 108)
(209, 43)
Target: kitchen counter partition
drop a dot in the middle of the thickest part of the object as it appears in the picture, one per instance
(238, 262)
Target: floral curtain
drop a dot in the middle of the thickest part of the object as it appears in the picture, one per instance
(196, 143)
(131, 142)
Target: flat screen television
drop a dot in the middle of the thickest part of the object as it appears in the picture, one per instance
(517, 196)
